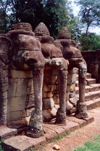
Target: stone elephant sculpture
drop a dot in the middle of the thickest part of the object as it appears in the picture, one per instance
(27, 55)
(54, 59)
(72, 53)
(5, 50)
(33, 52)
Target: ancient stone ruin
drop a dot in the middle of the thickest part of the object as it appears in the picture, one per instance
(37, 78)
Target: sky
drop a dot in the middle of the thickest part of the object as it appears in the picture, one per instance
(95, 29)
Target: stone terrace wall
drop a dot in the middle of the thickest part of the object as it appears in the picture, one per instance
(51, 94)
(21, 94)
(93, 63)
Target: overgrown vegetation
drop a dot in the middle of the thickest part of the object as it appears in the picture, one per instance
(93, 145)
(55, 14)
(60, 136)
(1, 149)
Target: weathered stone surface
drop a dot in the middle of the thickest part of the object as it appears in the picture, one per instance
(46, 88)
(70, 125)
(28, 111)
(72, 94)
(73, 101)
(71, 78)
(30, 90)
(45, 95)
(21, 74)
(53, 111)
(29, 101)
(69, 106)
(18, 89)
(56, 106)
(23, 114)
(72, 87)
(49, 77)
(6, 132)
(22, 143)
(64, 34)
(17, 103)
(49, 133)
(41, 30)
(48, 103)
(56, 99)
(49, 94)
(25, 26)
(14, 116)
(58, 129)
(53, 87)
(46, 115)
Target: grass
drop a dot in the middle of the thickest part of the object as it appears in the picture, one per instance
(60, 136)
(53, 140)
(93, 145)
(1, 149)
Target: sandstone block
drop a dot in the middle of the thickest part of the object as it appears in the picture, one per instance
(30, 90)
(73, 101)
(23, 114)
(74, 70)
(18, 89)
(56, 106)
(49, 94)
(44, 95)
(28, 111)
(67, 96)
(14, 116)
(72, 87)
(48, 103)
(72, 94)
(53, 87)
(29, 101)
(30, 82)
(21, 74)
(71, 78)
(46, 88)
(69, 106)
(53, 111)
(17, 103)
(46, 115)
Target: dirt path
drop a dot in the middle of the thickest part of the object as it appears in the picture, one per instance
(79, 136)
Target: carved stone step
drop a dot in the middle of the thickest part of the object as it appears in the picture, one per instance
(93, 104)
(88, 82)
(88, 76)
(89, 88)
(91, 95)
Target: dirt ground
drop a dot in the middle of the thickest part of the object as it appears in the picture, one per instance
(79, 136)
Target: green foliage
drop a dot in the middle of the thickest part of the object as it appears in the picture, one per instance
(4, 17)
(90, 42)
(93, 145)
(1, 149)
(55, 14)
(60, 136)
(89, 12)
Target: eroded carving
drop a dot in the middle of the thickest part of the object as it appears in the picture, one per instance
(72, 53)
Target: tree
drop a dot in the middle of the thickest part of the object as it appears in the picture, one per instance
(55, 14)
(89, 13)
(90, 42)
(4, 17)
(52, 12)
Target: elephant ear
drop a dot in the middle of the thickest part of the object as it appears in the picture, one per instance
(5, 48)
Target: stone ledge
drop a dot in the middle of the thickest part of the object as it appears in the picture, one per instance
(51, 131)
(6, 132)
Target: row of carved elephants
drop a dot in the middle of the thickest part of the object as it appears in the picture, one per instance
(28, 50)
